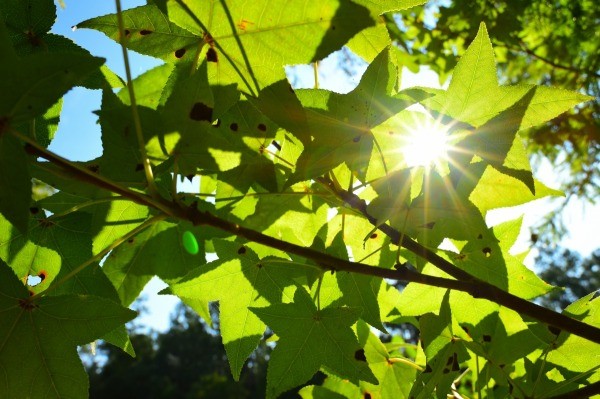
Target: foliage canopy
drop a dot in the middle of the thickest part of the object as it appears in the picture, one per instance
(305, 196)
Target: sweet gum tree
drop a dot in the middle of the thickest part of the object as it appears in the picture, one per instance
(306, 197)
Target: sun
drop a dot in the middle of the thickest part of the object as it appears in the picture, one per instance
(426, 144)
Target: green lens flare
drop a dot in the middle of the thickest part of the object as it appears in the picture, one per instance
(190, 243)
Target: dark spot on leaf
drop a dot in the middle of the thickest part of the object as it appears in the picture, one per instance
(445, 371)
(43, 274)
(465, 328)
(487, 251)
(487, 338)
(234, 127)
(211, 55)
(480, 236)
(180, 53)
(332, 27)
(217, 123)
(139, 167)
(429, 225)
(428, 369)
(502, 365)
(455, 366)
(93, 167)
(554, 330)
(449, 361)
(374, 235)
(534, 237)
(262, 127)
(356, 139)
(131, 240)
(360, 355)
(261, 149)
(145, 32)
(201, 112)
(127, 32)
(391, 133)
(34, 210)
(259, 265)
(366, 395)
(242, 250)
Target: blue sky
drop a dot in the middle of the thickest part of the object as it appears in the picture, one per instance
(78, 137)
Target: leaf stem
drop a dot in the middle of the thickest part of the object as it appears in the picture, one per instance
(134, 110)
(406, 362)
(84, 205)
(99, 255)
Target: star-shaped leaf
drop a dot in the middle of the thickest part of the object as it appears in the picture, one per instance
(238, 280)
(341, 123)
(514, 107)
(244, 45)
(38, 339)
(311, 339)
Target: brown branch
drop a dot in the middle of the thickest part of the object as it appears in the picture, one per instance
(464, 281)
(584, 392)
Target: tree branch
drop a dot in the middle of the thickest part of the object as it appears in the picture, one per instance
(465, 282)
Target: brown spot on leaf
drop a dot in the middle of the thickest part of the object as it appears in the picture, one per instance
(242, 250)
(234, 127)
(356, 139)
(211, 55)
(43, 274)
(262, 127)
(480, 236)
(139, 167)
(131, 240)
(34, 210)
(360, 355)
(145, 32)
(487, 251)
(127, 32)
(366, 395)
(374, 235)
(180, 53)
(487, 338)
(201, 112)
(93, 167)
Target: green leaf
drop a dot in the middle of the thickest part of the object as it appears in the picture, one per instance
(311, 339)
(382, 6)
(236, 39)
(148, 31)
(394, 373)
(158, 250)
(15, 181)
(341, 123)
(38, 81)
(38, 339)
(238, 280)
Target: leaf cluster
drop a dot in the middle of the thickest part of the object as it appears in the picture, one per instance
(306, 209)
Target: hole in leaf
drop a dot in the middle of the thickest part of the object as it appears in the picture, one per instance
(217, 123)
(211, 55)
(234, 127)
(32, 281)
(180, 53)
(201, 112)
(34, 210)
(242, 250)
(487, 251)
(276, 145)
(360, 355)
(487, 338)
(145, 32)
(262, 127)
